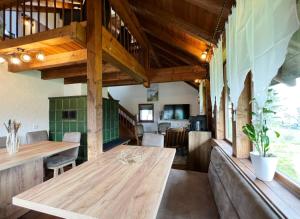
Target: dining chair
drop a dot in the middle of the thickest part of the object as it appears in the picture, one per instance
(177, 138)
(2, 142)
(34, 137)
(163, 126)
(65, 158)
(153, 140)
(139, 132)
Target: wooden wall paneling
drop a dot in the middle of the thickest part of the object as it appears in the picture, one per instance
(27, 176)
(199, 150)
(240, 142)
(94, 78)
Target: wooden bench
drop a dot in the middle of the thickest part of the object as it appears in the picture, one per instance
(221, 193)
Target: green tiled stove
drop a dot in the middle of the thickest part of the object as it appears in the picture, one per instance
(69, 114)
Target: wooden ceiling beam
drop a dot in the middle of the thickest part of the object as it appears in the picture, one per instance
(114, 53)
(182, 73)
(52, 61)
(144, 9)
(160, 75)
(74, 71)
(64, 72)
(70, 33)
(131, 21)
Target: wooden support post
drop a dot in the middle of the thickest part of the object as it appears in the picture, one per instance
(94, 78)
(240, 144)
(220, 119)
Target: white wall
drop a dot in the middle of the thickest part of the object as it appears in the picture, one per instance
(24, 97)
(169, 93)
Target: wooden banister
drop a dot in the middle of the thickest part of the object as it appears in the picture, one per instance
(126, 119)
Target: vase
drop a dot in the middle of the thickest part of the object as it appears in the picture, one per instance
(12, 143)
(264, 167)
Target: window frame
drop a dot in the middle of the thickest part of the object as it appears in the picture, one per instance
(139, 108)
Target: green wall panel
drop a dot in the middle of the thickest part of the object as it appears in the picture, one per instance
(58, 126)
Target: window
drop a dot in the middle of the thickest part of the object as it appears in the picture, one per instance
(146, 113)
(287, 123)
(228, 117)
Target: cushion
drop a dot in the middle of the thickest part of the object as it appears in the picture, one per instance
(235, 197)
(155, 140)
(58, 160)
(187, 195)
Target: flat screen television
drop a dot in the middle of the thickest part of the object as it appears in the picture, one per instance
(176, 112)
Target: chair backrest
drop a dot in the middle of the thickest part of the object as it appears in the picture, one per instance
(163, 126)
(71, 137)
(176, 137)
(139, 128)
(34, 137)
(2, 142)
(155, 140)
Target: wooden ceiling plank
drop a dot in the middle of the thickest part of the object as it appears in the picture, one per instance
(212, 6)
(189, 45)
(165, 18)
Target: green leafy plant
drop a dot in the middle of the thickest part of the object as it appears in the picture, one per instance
(258, 130)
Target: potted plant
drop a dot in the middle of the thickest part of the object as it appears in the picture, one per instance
(258, 132)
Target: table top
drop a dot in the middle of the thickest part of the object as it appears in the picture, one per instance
(107, 187)
(32, 152)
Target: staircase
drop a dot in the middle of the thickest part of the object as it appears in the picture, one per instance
(127, 122)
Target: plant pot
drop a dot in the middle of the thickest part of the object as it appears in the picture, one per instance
(264, 167)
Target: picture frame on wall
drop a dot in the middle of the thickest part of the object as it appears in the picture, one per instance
(153, 93)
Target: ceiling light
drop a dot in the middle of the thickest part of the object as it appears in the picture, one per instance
(197, 80)
(15, 60)
(26, 57)
(40, 56)
(204, 55)
(2, 60)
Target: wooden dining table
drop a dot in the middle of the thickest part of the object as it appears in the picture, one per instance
(24, 170)
(126, 182)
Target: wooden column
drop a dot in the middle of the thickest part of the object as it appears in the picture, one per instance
(94, 78)
(240, 144)
(220, 119)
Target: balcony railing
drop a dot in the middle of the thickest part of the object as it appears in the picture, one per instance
(118, 28)
(25, 17)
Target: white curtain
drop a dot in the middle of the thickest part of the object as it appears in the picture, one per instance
(257, 36)
(271, 35)
(216, 75)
